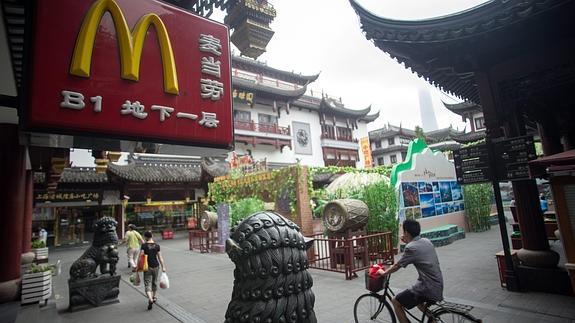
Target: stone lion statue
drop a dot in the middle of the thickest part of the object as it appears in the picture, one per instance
(271, 281)
(103, 252)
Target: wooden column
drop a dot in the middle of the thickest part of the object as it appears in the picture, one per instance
(535, 250)
(13, 178)
(27, 255)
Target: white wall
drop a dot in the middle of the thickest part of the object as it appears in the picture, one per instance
(286, 155)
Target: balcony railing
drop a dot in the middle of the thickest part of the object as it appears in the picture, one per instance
(262, 127)
(332, 137)
(340, 162)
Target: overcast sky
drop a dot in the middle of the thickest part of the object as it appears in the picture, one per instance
(324, 36)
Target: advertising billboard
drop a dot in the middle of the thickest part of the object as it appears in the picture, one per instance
(132, 70)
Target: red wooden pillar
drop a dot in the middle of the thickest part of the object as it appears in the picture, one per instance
(13, 178)
(27, 255)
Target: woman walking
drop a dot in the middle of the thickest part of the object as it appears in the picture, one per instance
(134, 240)
(155, 259)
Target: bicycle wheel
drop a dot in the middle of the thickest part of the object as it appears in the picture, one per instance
(369, 308)
(451, 316)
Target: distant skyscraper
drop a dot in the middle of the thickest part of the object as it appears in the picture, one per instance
(428, 120)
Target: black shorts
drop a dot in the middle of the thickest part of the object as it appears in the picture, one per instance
(409, 299)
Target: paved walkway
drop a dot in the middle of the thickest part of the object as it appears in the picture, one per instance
(201, 287)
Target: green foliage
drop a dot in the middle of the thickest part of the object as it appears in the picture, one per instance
(419, 133)
(38, 244)
(268, 186)
(381, 201)
(34, 268)
(244, 208)
(478, 206)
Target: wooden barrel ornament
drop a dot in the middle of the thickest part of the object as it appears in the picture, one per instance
(209, 220)
(345, 214)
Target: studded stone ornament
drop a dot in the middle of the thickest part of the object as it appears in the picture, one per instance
(271, 280)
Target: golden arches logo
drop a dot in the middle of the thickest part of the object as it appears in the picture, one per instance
(130, 44)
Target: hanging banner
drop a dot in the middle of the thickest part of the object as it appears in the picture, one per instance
(366, 150)
(125, 69)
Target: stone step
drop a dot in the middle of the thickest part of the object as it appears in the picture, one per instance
(442, 236)
(439, 232)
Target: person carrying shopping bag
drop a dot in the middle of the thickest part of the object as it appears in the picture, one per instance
(133, 239)
(151, 250)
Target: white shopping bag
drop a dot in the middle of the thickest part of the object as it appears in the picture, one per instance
(164, 281)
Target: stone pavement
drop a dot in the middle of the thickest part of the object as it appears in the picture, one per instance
(201, 287)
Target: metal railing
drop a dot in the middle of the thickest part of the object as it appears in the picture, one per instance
(350, 255)
(262, 127)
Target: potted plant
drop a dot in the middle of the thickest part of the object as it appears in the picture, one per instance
(36, 284)
(40, 251)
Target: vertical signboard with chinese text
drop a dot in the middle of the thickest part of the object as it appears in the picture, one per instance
(135, 70)
(366, 150)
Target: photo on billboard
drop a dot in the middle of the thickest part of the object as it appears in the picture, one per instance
(417, 213)
(410, 194)
(409, 213)
(456, 192)
(425, 187)
(445, 191)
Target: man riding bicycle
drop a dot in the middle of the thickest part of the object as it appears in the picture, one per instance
(421, 253)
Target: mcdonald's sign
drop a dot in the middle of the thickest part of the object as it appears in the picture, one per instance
(125, 69)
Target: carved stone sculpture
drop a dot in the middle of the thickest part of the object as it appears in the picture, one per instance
(84, 284)
(271, 280)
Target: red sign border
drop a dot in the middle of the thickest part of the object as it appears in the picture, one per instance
(26, 84)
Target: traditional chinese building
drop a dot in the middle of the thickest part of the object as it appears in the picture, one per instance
(153, 192)
(276, 121)
(515, 59)
(389, 144)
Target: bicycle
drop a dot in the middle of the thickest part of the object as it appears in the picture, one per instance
(374, 307)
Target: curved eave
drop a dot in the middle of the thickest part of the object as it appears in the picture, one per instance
(371, 117)
(421, 45)
(334, 108)
(477, 20)
(299, 103)
(288, 76)
(470, 137)
(250, 85)
(463, 107)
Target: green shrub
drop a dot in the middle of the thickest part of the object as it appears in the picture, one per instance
(243, 208)
(478, 206)
(38, 244)
(381, 201)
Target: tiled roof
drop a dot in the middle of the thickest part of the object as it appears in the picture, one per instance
(469, 137)
(156, 174)
(391, 130)
(421, 44)
(82, 175)
(333, 105)
(463, 107)
(257, 66)
(253, 86)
